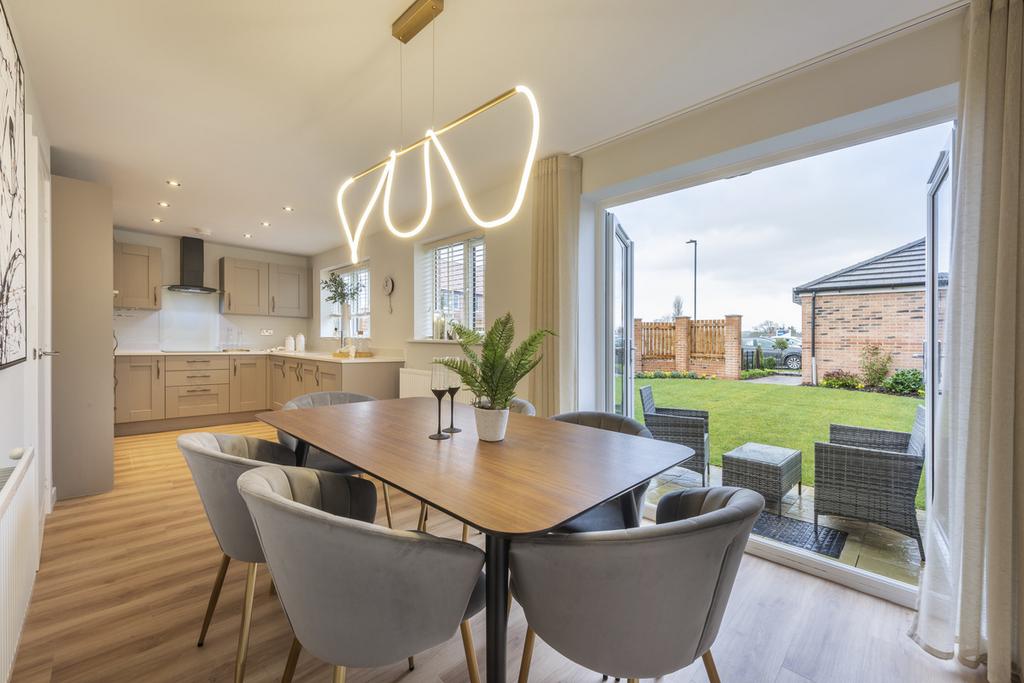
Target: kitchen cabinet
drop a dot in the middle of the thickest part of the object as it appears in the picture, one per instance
(289, 291)
(138, 388)
(278, 381)
(138, 276)
(248, 383)
(190, 401)
(329, 376)
(245, 287)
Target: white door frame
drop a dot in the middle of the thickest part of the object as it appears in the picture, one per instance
(616, 237)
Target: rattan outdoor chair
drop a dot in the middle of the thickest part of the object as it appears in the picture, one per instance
(682, 426)
(872, 475)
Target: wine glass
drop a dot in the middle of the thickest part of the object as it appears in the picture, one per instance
(439, 387)
(454, 384)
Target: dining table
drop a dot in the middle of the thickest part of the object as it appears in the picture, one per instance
(542, 475)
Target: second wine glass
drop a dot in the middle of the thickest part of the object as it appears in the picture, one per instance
(454, 384)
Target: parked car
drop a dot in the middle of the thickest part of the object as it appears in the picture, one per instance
(789, 358)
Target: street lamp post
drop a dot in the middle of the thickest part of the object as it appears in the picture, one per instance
(694, 243)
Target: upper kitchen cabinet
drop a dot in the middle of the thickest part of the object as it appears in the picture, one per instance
(245, 286)
(137, 276)
(289, 291)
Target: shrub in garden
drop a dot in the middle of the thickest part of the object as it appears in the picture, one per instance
(875, 363)
(781, 344)
(769, 363)
(755, 374)
(660, 374)
(675, 374)
(905, 382)
(840, 379)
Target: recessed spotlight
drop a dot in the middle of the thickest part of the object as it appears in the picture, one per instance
(265, 224)
(173, 183)
(247, 235)
(163, 205)
(157, 220)
(288, 209)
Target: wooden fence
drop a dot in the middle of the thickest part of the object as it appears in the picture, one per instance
(657, 340)
(707, 339)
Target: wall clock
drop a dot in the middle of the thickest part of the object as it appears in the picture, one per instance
(389, 288)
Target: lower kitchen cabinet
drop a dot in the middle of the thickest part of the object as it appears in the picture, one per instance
(189, 401)
(248, 386)
(138, 388)
(278, 381)
(328, 376)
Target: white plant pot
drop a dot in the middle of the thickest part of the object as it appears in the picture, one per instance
(491, 424)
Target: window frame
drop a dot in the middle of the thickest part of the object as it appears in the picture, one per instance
(328, 311)
(474, 286)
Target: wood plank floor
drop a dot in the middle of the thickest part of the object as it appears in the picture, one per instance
(125, 577)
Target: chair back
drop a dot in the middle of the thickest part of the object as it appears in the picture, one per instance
(357, 594)
(216, 461)
(521, 406)
(607, 421)
(316, 400)
(638, 603)
(917, 440)
(647, 399)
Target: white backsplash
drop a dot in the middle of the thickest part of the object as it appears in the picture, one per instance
(192, 322)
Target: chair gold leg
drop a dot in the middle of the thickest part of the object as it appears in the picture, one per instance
(243, 636)
(214, 596)
(293, 661)
(524, 666)
(339, 674)
(387, 505)
(467, 645)
(465, 533)
(709, 665)
(422, 524)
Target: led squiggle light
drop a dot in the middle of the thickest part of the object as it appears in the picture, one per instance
(386, 179)
(387, 195)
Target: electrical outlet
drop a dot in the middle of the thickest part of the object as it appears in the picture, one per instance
(266, 333)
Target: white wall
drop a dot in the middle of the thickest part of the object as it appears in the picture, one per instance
(140, 329)
(507, 276)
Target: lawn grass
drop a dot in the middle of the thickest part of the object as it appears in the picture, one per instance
(794, 417)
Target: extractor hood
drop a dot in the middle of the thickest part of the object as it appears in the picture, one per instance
(191, 280)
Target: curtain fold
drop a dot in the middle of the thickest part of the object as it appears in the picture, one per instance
(557, 183)
(971, 599)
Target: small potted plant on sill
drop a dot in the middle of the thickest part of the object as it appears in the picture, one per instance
(493, 373)
(342, 292)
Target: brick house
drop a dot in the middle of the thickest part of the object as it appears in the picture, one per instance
(878, 301)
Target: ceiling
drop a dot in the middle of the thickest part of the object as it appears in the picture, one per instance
(257, 104)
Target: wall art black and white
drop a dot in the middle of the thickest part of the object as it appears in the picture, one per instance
(13, 281)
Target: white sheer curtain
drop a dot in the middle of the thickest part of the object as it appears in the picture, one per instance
(971, 599)
(556, 217)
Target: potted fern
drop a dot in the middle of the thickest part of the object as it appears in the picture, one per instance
(493, 373)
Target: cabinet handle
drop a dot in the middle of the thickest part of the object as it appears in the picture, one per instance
(282, 371)
(316, 375)
(198, 360)
(273, 304)
(229, 301)
(236, 368)
(158, 369)
(154, 296)
(197, 391)
(197, 376)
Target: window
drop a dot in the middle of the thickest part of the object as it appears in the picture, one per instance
(451, 287)
(359, 310)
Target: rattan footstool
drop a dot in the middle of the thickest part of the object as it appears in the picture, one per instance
(770, 470)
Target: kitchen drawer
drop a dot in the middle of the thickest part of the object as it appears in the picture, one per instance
(197, 363)
(196, 400)
(186, 378)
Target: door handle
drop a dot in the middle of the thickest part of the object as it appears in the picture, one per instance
(39, 353)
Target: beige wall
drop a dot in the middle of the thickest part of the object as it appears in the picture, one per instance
(507, 276)
(83, 373)
(250, 325)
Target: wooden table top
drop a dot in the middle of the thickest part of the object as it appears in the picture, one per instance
(542, 475)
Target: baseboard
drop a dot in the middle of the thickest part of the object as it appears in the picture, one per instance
(177, 423)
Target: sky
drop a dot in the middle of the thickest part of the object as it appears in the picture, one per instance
(761, 234)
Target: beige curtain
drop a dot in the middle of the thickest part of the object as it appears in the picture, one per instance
(972, 598)
(556, 218)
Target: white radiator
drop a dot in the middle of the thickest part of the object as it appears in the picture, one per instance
(19, 553)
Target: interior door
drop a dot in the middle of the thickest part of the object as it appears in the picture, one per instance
(620, 330)
(939, 252)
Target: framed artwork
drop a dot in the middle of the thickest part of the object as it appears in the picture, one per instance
(13, 281)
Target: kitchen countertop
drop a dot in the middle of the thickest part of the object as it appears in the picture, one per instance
(306, 355)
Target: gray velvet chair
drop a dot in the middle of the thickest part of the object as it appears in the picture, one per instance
(318, 459)
(356, 594)
(609, 515)
(216, 461)
(522, 406)
(637, 603)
